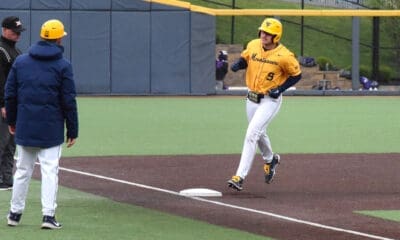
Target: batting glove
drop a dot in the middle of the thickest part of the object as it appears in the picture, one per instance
(275, 93)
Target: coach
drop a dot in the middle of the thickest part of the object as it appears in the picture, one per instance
(40, 100)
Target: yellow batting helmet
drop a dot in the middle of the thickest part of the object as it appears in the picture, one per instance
(272, 26)
(52, 29)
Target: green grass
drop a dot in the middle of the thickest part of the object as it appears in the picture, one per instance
(393, 215)
(89, 217)
(216, 125)
(316, 44)
(337, 125)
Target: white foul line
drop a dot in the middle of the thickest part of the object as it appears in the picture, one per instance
(228, 205)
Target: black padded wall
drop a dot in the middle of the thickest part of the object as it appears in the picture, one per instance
(14, 4)
(131, 47)
(130, 51)
(202, 49)
(170, 56)
(90, 53)
(128, 5)
(50, 4)
(91, 5)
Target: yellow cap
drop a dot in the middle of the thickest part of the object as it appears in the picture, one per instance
(52, 29)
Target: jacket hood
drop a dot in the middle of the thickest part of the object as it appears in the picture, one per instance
(46, 50)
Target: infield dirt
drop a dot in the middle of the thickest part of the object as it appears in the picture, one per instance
(325, 189)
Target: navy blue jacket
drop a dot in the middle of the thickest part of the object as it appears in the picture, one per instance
(40, 97)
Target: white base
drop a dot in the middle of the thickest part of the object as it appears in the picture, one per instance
(200, 192)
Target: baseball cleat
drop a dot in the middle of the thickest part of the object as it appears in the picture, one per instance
(13, 219)
(50, 222)
(269, 168)
(236, 183)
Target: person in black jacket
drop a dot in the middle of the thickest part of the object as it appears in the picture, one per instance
(11, 32)
(40, 102)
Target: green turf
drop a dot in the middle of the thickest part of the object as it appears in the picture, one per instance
(216, 125)
(197, 125)
(393, 215)
(89, 217)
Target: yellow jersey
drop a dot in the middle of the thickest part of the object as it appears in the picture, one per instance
(268, 69)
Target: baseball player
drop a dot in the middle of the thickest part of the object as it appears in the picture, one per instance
(270, 69)
(40, 100)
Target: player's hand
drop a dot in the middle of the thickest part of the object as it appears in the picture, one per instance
(3, 112)
(275, 93)
(70, 142)
(11, 129)
(235, 67)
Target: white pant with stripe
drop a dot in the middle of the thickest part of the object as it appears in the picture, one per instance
(259, 116)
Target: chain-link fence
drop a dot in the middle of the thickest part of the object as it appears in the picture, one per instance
(347, 4)
(326, 37)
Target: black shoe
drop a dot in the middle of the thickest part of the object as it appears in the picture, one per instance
(50, 222)
(236, 183)
(13, 219)
(5, 187)
(269, 168)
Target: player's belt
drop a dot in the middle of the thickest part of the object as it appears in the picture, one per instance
(254, 97)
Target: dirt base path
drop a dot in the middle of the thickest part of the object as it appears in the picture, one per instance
(322, 189)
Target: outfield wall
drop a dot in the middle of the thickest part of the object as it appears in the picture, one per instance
(129, 47)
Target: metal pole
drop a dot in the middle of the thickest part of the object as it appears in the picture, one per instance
(302, 32)
(355, 45)
(375, 48)
(233, 23)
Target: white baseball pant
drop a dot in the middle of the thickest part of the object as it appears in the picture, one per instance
(259, 117)
(49, 161)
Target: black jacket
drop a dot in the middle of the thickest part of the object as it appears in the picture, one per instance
(8, 53)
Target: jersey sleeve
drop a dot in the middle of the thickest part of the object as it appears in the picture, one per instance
(250, 47)
(292, 66)
(245, 54)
